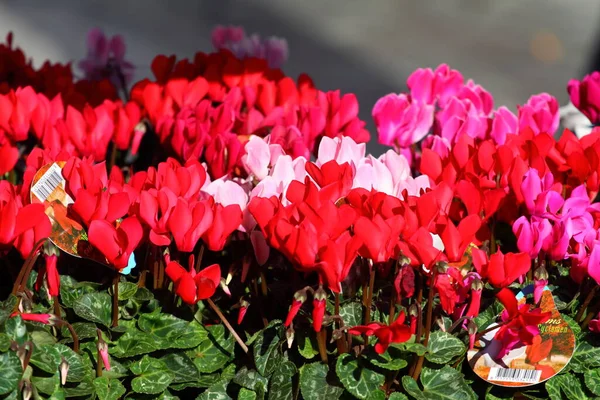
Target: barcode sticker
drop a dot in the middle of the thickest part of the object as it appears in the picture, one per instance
(48, 182)
(514, 375)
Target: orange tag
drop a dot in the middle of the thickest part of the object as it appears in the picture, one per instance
(526, 365)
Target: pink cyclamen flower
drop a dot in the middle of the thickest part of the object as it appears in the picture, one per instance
(400, 121)
(540, 113)
(428, 86)
(341, 149)
(585, 95)
(482, 100)
(461, 117)
(106, 59)
(46, 319)
(504, 123)
(595, 324)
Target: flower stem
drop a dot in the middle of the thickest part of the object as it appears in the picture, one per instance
(228, 325)
(21, 280)
(586, 303)
(370, 295)
(199, 257)
(428, 319)
(56, 306)
(341, 342)
(73, 335)
(115, 305)
(321, 338)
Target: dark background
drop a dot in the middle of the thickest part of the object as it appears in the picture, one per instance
(513, 48)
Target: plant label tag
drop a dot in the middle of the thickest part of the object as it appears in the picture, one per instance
(48, 188)
(526, 365)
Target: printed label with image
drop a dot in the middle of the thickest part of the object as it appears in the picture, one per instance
(526, 365)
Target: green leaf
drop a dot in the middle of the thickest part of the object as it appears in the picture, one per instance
(48, 358)
(164, 326)
(443, 347)
(307, 344)
(143, 295)
(213, 352)
(246, 394)
(71, 290)
(391, 359)
(58, 394)
(397, 396)
(314, 385)
(585, 357)
(265, 350)
(218, 391)
(40, 337)
(15, 328)
(572, 324)
(46, 385)
(281, 384)
(127, 290)
(10, 365)
(6, 307)
(108, 389)
(351, 314)
(153, 376)
(444, 383)
(361, 382)
(183, 369)
(568, 384)
(252, 380)
(228, 372)
(203, 381)
(191, 336)
(488, 316)
(592, 381)
(84, 330)
(133, 343)
(4, 342)
(416, 348)
(95, 307)
(85, 388)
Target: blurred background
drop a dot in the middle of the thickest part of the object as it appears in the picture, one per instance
(514, 48)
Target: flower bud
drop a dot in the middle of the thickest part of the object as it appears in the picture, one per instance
(242, 312)
(26, 389)
(63, 368)
(299, 299)
(541, 273)
(224, 286)
(441, 267)
(477, 284)
(289, 334)
(472, 327)
(319, 304)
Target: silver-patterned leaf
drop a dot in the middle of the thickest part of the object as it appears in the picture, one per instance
(359, 380)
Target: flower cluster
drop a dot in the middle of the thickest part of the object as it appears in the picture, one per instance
(260, 184)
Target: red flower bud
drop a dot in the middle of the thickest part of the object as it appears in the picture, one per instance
(243, 309)
(472, 332)
(474, 305)
(319, 304)
(299, 299)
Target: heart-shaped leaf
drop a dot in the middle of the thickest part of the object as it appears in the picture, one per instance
(391, 359)
(213, 352)
(567, 384)
(16, 330)
(108, 389)
(164, 326)
(133, 343)
(585, 357)
(10, 365)
(6, 307)
(95, 307)
(49, 357)
(314, 384)
(71, 290)
(281, 384)
(438, 384)
(153, 376)
(218, 391)
(252, 380)
(307, 344)
(358, 379)
(46, 385)
(127, 290)
(351, 314)
(443, 347)
(246, 394)
(266, 352)
(592, 381)
(182, 367)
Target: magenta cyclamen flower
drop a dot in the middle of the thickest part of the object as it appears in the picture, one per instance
(401, 121)
(428, 86)
(106, 59)
(233, 38)
(540, 114)
(585, 95)
(504, 123)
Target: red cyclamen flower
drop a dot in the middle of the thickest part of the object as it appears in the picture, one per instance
(396, 332)
(192, 286)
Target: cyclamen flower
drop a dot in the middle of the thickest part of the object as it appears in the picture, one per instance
(193, 286)
(396, 332)
(585, 95)
(540, 114)
(428, 86)
(106, 59)
(401, 121)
